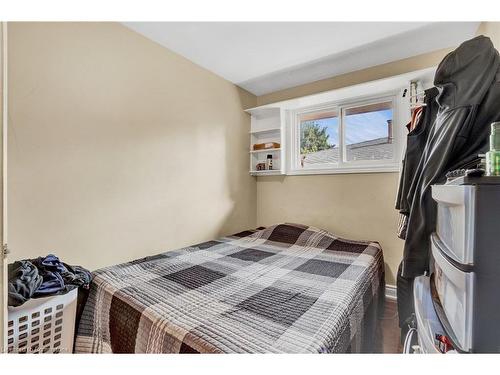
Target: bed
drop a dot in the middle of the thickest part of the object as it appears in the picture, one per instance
(287, 288)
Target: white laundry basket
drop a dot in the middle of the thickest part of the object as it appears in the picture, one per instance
(43, 325)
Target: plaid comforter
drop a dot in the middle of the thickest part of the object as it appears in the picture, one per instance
(287, 288)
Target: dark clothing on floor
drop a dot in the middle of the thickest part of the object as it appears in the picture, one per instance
(24, 280)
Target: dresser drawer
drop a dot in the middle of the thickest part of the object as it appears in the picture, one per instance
(428, 324)
(455, 220)
(455, 290)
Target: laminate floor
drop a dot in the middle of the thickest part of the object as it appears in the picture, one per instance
(390, 331)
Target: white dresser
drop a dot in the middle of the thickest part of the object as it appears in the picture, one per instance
(461, 298)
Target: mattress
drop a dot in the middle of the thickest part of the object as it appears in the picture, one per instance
(288, 288)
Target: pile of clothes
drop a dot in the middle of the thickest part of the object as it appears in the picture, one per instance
(43, 277)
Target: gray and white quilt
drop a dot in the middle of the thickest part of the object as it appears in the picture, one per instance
(287, 288)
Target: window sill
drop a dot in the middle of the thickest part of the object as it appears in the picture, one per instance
(318, 171)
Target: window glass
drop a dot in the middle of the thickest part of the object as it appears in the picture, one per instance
(319, 138)
(368, 132)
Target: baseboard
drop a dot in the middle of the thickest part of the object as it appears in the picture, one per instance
(390, 292)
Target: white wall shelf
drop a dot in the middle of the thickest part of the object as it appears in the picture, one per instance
(275, 130)
(267, 125)
(265, 150)
(265, 173)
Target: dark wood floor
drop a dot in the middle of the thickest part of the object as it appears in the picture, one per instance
(390, 331)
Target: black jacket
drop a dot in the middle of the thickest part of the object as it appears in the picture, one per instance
(469, 100)
(415, 145)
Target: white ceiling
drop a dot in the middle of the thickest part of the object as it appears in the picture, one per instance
(265, 57)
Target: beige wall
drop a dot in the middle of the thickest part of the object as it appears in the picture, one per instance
(119, 148)
(370, 74)
(355, 206)
(492, 30)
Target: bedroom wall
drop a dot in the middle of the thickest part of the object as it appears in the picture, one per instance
(492, 30)
(120, 148)
(365, 75)
(356, 206)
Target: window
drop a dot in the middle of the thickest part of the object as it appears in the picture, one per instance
(349, 137)
(368, 132)
(319, 134)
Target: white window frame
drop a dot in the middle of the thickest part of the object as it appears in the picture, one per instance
(343, 166)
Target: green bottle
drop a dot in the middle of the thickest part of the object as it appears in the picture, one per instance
(493, 156)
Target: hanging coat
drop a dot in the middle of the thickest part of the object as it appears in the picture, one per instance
(415, 144)
(468, 99)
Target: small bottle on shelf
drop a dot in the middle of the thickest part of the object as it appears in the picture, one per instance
(269, 163)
